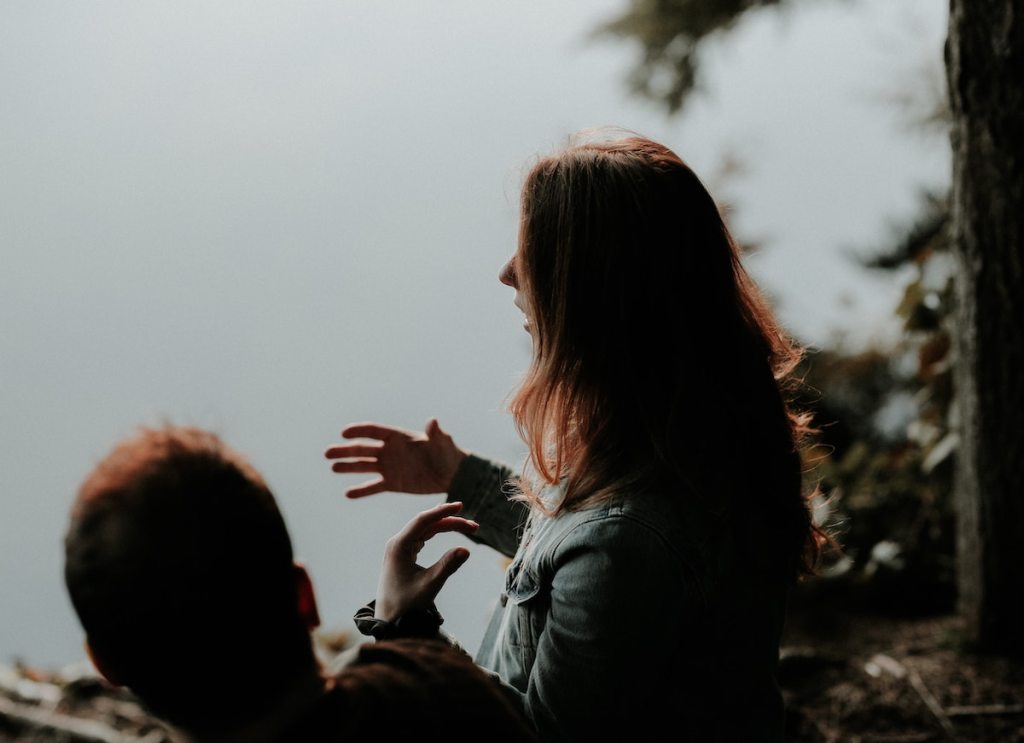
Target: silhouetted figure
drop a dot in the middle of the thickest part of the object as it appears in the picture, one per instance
(180, 567)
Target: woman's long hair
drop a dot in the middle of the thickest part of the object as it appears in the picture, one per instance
(656, 362)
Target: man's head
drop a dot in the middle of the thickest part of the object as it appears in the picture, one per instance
(180, 568)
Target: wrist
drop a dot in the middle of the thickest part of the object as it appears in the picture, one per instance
(455, 461)
(384, 610)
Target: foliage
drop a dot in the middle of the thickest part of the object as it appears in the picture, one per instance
(886, 447)
(669, 33)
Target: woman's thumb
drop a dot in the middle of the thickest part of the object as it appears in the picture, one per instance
(443, 569)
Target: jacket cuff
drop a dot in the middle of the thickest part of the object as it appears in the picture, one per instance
(420, 623)
(471, 483)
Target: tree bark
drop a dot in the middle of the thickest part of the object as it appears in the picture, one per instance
(985, 66)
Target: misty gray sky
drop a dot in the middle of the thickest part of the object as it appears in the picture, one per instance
(272, 219)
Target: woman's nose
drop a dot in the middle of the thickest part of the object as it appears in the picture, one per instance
(507, 276)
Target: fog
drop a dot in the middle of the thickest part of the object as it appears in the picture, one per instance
(272, 219)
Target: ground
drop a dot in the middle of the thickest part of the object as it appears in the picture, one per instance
(860, 677)
(848, 676)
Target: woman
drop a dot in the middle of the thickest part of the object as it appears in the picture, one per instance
(660, 519)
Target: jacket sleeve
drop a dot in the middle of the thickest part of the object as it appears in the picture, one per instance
(485, 488)
(618, 604)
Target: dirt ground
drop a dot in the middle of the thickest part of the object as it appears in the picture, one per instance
(847, 677)
(863, 678)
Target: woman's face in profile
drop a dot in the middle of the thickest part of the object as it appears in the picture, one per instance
(509, 277)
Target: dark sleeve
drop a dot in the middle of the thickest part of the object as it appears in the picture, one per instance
(485, 488)
(428, 690)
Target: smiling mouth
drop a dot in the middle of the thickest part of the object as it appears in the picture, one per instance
(527, 325)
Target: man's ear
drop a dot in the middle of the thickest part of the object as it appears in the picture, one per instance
(306, 597)
(106, 670)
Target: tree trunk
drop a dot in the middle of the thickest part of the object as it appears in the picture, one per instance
(985, 66)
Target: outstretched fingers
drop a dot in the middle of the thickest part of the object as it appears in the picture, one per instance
(450, 524)
(435, 520)
(351, 451)
(424, 518)
(358, 459)
(372, 431)
(356, 466)
(367, 488)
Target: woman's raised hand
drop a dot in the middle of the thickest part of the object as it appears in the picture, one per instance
(404, 585)
(407, 462)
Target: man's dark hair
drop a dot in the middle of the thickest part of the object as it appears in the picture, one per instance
(180, 568)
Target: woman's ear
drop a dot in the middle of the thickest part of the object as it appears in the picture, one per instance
(306, 598)
(105, 669)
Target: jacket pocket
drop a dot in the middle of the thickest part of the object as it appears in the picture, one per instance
(523, 588)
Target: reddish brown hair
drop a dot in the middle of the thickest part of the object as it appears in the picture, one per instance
(179, 565)
(656, 364)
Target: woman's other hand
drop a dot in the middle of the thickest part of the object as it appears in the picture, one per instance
(407, 462)
(404, 585)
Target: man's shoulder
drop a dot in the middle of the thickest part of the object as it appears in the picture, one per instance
(421, 659)
(413, 687)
